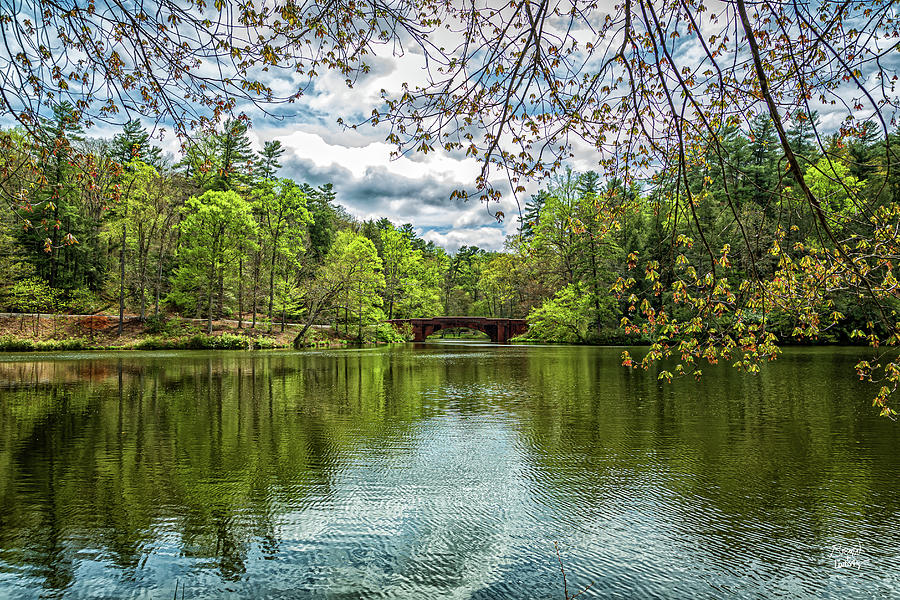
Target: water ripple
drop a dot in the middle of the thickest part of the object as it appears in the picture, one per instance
(436, 472)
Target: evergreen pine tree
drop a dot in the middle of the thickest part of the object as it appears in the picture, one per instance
(56, 211)
(234, 157)
(268, 161)
(134, 144)
(532, 214)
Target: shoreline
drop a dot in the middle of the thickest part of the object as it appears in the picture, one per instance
(24, 332)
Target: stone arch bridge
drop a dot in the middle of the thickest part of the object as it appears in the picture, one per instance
(499, 330)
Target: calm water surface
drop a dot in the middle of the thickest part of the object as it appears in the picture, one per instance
(441, 471)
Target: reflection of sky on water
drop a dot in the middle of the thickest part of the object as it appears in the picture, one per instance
(390, 473)
(434, 514)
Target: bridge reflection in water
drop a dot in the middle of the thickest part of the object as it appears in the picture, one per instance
(499, 330)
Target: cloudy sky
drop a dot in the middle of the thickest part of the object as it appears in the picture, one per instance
(369, 183)
(372, 185)
(414, 189)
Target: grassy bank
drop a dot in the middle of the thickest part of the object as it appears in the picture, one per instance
(30, 333)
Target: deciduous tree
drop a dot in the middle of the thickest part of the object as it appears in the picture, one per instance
(212, 228)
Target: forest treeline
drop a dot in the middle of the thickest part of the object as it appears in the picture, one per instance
(216, 233)
(621, 264)
(108, 224)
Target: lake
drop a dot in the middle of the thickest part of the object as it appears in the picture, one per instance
(446, 470)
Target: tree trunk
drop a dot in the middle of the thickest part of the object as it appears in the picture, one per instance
(68, 261)
(209, 298)
(54, 252)
(221, 300)
(143, 292)
(255, 292)
(309, 322)
(122, 281)
(359, 333)
(595, 283)
(240, 292)
(272, 281)
(159, 266)
(158, 284)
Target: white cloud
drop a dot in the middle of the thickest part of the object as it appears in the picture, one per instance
(488, 238)
(361, 159)
(370, 184)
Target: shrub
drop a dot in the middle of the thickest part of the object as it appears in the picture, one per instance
(264, 343)
(155, 324)
(34, 295)
(83, 301)
(10, 343)
(563, 318)
(386, 333)
(201, 341)
(154, 343)
(70, 344)
(226, 341)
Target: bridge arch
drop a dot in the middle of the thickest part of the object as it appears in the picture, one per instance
(499, 330)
